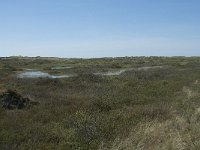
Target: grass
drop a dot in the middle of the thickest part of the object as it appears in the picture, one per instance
(140, 109)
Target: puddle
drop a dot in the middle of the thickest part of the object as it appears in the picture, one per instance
(60, 68)
(40, 74)
(149, 67)
(30, 73)
(111, 73)
(119, 72)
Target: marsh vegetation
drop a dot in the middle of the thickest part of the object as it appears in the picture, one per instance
(112, 103)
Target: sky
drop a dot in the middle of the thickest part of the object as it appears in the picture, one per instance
(99, 28)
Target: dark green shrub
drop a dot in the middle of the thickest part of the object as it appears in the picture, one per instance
(12, 100)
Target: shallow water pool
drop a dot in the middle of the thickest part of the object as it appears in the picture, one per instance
(40, 74)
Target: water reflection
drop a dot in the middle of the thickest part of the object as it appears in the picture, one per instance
(40, 74)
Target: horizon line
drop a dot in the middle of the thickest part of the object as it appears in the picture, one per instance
(137, 56)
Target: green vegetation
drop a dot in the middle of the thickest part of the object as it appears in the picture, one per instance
(155, 108)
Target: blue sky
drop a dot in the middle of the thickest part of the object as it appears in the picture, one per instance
(99, 28)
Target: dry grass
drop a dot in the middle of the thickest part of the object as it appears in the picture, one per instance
(176, 133)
